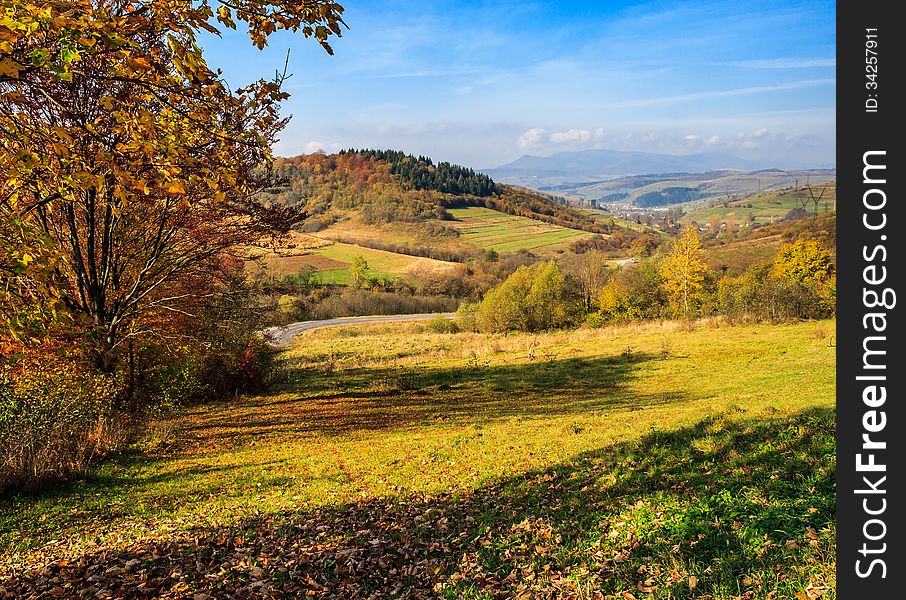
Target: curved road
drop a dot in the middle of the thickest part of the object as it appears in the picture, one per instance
(280, 336)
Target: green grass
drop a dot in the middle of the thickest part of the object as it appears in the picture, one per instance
(767, 207)
(344, 276)
(383, 264)
(379, 260)
(492, 230)
(615, 460)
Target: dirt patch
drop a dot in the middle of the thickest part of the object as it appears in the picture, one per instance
(430, 266)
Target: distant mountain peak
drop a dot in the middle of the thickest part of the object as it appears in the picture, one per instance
(603, 164)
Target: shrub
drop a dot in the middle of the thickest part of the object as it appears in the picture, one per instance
(56, 415)
(780, 291)
(441, 325)
(315, 224)
(227, 372)
(804, 261)
(596, 320)
(353, 302)
(467, 316)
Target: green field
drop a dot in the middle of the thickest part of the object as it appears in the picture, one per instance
(768, 207)
(493, 230)
(331, 262)
(660, 461)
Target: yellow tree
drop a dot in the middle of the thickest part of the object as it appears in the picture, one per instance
(130, 166)
(684, 270)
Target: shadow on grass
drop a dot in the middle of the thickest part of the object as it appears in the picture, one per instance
(378, 399)
(350, 401)
(744, 506)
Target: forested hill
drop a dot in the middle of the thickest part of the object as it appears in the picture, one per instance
(422, 174)
(388, 186)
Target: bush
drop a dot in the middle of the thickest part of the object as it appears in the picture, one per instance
(467, 317)
(763, 293)
(441, 325)
(352, 303)
(800, 283)
(534, 298)
(315, 224)
(56, 415)
(596, 320)
(229, 373)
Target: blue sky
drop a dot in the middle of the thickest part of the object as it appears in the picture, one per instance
(481, 83)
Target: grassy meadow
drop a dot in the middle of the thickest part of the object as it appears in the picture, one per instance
(656, 461)
(737, 256)
(331, 261)
(765, 208)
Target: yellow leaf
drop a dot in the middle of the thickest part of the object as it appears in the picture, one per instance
(138, 63)
(175, 187)
(8, 68)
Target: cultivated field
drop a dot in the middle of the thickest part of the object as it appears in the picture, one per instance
(493, 230)
(651, 461)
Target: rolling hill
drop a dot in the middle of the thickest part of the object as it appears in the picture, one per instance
(405, 213)
(589, 166)
(645, 191)
(408, 215)
(388, 186)
(768, 206)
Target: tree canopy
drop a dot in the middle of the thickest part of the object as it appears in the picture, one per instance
(130, 165)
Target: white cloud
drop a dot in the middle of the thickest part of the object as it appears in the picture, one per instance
(714, 139)
(692, 137)
(531, 137)
(572, 135)
(761, 132)
(599, 132)
(316, 145)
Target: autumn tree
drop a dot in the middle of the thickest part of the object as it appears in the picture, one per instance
(534, 298)
(804, 261)
(358, 271)
(590, 272)
(130, 166)
(683, 270)
(633, 293)
(809, 265)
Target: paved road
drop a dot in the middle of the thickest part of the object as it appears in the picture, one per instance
(280, 336)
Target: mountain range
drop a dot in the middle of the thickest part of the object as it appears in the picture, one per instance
(588, 166)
